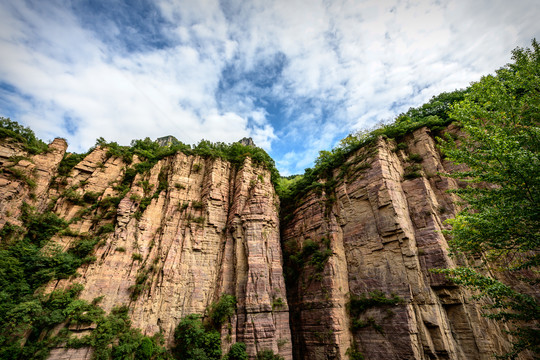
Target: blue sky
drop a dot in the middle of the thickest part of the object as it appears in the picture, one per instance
(296, 76)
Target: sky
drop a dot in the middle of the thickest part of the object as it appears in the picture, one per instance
(296, 76)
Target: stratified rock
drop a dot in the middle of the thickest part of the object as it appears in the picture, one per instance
(210, 228)
(384, 228)
(224, 240)
(167, 140)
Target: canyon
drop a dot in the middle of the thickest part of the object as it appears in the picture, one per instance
(370, 234)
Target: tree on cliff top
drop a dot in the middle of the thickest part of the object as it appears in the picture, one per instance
(499, 228)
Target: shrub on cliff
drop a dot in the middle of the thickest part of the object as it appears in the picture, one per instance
(194, 342)
(12, 129)
(268, 354)
(237, 352)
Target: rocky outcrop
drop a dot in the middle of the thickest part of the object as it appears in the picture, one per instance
(207, 228)
(359, 249)
(382, 221)
(25, 177)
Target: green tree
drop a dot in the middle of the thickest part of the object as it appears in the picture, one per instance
(237, 352)
(498, 230)
(194, 342)
(268, 354)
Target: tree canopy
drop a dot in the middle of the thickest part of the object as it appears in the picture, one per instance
(498, 230)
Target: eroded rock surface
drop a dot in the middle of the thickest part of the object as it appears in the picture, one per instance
(196, 228)
(208, 229)
(383, 219)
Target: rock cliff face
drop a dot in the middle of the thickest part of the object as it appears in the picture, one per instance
(382, 221)
(195, 228)
(213, 229)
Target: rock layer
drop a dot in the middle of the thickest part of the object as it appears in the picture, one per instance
(384, 219)
(212, 229)
(197, 228)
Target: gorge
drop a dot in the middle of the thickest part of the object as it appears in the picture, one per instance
(343, 273)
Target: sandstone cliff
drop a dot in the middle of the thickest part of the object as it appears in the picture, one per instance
(358, 249)
(382, 222)
(210, 229)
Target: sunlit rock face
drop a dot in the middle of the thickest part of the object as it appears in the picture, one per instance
(213, 229)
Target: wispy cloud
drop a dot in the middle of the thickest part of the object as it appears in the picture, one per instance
(294, 75)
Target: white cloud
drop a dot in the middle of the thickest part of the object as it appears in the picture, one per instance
(316, 69)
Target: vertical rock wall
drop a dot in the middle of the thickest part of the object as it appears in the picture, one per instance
(212, 229)
(384, 222)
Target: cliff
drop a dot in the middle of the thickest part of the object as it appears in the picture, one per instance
(374, 294)
(357, 249)
(212, 229)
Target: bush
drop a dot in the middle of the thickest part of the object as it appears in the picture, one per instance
(237, 352)
(415, 158)
(193, 342)
(268, 355)
(197, 205)
(105, 229)
(222, 310)
(357, 305)
(25, 136)
(311, 253)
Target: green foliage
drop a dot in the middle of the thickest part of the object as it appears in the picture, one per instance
(20, 175)
(179, 186)
(414, 158)
(28, 261)
(357, 305)
(139, 286)
(136, 257)
(222, 310)
(401, 146)
(354, 354)
(151, 152)
(68, 162)
(196, 219)
(25, 136)
(312, 253)
(105, 229)
(500, 225)
(195, 339)
(183, 205)
(194, 342)
(412, 172)
(73, 196)
(91, 197)
(277, 303)
(268, 354)
(237, 352)
(433, 114)
(40, 227)
(163, 182)
(114, 338)
(197, 205)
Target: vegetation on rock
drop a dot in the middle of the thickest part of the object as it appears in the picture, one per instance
(499, 228)
(23, 135)
(196, 339)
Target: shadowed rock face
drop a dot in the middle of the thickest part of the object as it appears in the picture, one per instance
(384, 227)
(215, 229)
